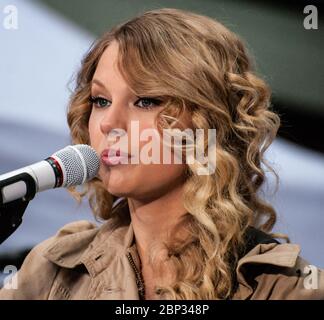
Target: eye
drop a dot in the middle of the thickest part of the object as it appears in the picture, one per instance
(99, 101)
(148, 103)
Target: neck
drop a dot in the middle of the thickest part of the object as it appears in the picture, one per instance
(152, 220)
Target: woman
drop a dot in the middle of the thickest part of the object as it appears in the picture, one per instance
(173, 233)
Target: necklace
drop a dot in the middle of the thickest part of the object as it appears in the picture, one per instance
(139, 277)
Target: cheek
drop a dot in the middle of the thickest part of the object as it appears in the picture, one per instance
(148, 130)
(94, 131)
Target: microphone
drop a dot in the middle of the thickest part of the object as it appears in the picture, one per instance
(70, 166)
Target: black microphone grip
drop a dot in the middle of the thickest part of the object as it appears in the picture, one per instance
(11, 213)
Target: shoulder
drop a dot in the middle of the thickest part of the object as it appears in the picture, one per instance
(273, 271)
(38, 272)
(75, 227)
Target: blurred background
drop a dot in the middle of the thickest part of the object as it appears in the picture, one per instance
(39, 58)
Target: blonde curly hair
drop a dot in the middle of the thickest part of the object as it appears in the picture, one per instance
(200, 67)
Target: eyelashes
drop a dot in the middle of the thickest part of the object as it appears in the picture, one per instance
(100, 102)
(155, 102)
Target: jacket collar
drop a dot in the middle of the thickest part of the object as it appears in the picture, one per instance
(108, 241)
(86, 247)
(280, 255)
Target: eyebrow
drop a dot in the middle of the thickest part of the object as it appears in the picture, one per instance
(99, 83)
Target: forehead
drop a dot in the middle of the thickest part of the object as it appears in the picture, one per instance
(107, 64)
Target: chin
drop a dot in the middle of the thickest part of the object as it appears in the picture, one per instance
(117, 189)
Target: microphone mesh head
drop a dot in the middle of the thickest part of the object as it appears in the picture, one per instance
(79, 162)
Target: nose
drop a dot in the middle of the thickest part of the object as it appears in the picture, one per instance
(113, 123)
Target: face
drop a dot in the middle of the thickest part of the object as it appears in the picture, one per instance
(114, 106)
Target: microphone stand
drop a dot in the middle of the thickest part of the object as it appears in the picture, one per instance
(11, 213)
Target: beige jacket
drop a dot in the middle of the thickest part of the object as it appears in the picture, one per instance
(83, 261)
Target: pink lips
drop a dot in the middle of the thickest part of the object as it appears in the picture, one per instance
(113, 157)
